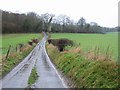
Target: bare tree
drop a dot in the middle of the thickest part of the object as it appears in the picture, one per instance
(47, 19)
(81, 22)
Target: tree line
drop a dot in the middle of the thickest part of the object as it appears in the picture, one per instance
(34, 23)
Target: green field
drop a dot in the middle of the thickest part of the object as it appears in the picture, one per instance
(15, 39)
(90, 41)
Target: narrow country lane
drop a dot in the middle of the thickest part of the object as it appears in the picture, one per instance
(48, 75)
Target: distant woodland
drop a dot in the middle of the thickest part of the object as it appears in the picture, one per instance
(34, 23)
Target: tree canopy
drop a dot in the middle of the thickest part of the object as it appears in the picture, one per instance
(34, 23)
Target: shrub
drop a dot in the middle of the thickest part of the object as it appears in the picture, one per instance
(60, 43)
(35, 41)
(30, 43)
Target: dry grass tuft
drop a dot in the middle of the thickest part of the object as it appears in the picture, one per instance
(50, 46)
(75, 50)
(25, 47)
(92, 56)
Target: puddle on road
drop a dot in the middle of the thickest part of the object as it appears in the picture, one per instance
(45, 62)
(24, 68)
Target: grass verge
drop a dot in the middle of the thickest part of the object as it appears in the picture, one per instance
(13, 60)
(33, 77)
(85, 73)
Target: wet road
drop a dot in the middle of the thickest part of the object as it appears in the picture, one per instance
(38, 58)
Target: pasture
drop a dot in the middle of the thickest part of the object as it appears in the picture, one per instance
(15, 39)
(89, 42)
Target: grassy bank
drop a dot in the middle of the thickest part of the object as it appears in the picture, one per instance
(85, 73)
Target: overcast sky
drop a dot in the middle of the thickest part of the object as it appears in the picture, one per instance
(104, 12)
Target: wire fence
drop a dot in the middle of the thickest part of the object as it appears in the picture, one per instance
(6, 51)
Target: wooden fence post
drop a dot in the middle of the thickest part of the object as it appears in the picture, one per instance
(16, 48)
(20, 47)
(8, 51)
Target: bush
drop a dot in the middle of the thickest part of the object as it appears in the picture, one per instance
(60, 43)
(35, 41)
(30, 43)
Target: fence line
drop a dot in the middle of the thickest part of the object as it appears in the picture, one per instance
(12, 49)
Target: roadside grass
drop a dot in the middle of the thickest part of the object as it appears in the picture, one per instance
(88, 42)
(0, 41)
(33, 77)
(0, 65)
(13, 60)
(84, 72)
